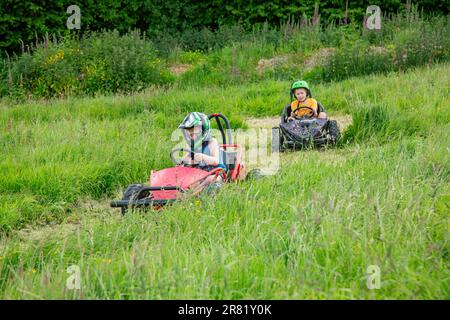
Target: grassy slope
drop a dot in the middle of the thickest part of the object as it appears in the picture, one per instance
(374, 201)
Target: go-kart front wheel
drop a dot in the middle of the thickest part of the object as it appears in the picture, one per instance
(130, 193)
(254, 174)
(333, 131)
(212, 188)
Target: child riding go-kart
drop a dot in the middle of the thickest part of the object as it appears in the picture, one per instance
(206, 166)
(304, 122)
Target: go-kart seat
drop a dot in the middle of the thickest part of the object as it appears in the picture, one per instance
(228, 158)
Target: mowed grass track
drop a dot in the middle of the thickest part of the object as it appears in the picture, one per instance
(382, 198)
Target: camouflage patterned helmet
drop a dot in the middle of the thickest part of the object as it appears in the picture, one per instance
(197, 119)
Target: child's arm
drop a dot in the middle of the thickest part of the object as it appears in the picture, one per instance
(321, 110)
(213, 159)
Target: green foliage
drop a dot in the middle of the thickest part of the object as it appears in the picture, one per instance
(326, 53)
(405, 44)
(191, 57)
(97, 63)
(368, 122)
(22, 22)
(107, 62)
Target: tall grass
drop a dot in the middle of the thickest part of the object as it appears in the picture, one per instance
(58, 152)
(357, 207)
(311, 231)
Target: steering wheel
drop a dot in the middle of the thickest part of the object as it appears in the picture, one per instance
(178, 163)
(309, 115)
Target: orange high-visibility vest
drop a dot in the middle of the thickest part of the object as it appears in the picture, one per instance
(310, 102)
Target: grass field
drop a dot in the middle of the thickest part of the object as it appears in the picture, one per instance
(311, 231)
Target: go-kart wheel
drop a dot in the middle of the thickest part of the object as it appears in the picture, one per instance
(254, 174)
(130, 193)
(333, 131)
(212, 188)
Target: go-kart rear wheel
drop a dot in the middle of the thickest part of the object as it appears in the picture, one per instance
(130, 193)
(333, 131)
(212, 188)
(254, 174)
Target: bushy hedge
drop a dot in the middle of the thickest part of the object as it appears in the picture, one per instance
(326, 53)
(404, 44)
(108, 63)
(24, 20)
(98, 63)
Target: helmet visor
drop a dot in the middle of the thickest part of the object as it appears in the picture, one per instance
(193, 136)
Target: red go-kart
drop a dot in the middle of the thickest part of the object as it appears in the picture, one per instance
(171, 184)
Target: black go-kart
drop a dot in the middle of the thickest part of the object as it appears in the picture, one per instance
(303, 132)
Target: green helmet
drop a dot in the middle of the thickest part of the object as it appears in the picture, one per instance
(195, 119)
(300, 84)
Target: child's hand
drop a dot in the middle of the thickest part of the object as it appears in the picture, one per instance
(186, 160)
(322, 115)
(198, 157)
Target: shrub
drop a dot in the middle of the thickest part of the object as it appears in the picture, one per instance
(405, 44)
(97, 63)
